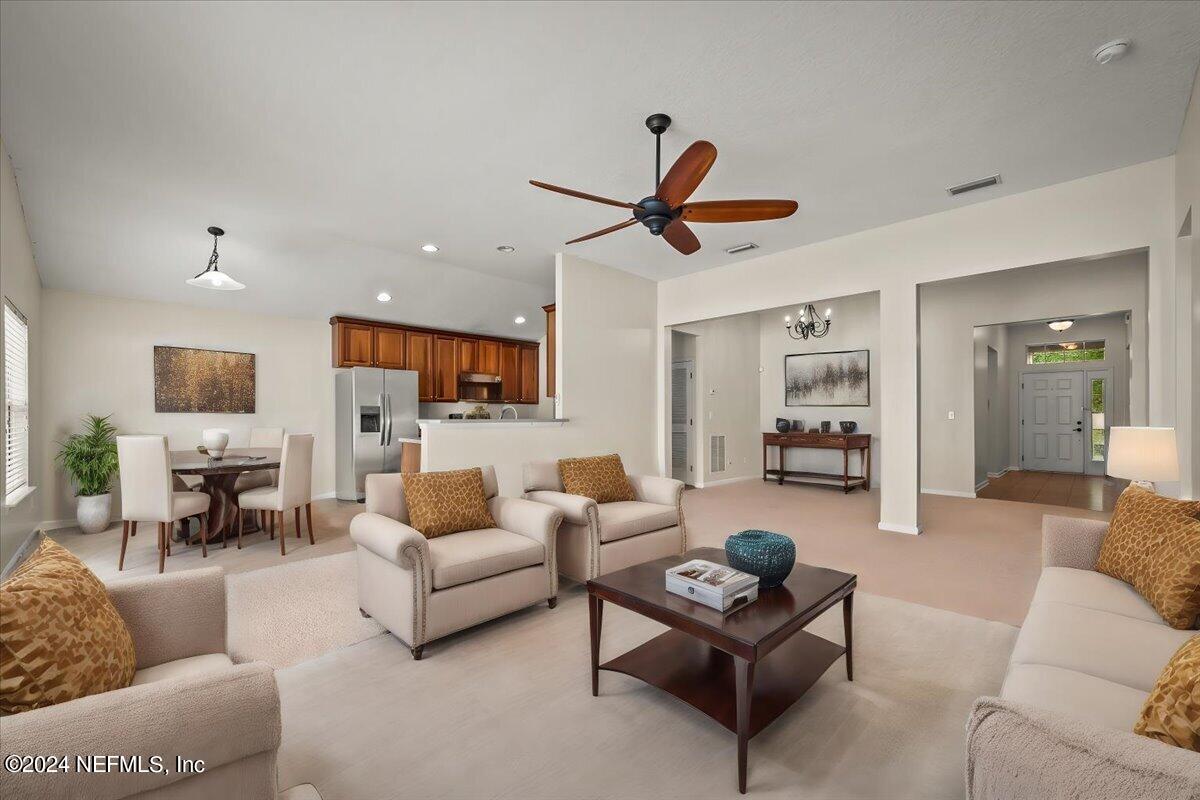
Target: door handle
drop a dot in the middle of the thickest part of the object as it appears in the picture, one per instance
(1079, 430)
(382, 421)
(389, 420)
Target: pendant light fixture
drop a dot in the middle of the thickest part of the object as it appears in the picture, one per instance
(211, 277)
(808, 323)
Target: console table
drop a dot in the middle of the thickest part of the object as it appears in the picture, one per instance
(821, 441)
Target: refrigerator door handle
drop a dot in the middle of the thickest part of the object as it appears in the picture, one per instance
(383, 421)
(389, 420)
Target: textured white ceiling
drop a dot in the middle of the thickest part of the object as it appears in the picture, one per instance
(332, 140)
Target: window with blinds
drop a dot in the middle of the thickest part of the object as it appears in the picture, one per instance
(16, 402)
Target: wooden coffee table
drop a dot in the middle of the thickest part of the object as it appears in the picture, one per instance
(717, 663)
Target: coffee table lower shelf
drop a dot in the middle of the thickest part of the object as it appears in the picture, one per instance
(703, 676)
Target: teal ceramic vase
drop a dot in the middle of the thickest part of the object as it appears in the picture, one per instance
(770, 556)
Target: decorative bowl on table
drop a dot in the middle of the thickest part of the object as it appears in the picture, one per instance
(782, 425)
(770, 556)
(848, 426)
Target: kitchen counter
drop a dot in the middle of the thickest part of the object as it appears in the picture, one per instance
(494, 423)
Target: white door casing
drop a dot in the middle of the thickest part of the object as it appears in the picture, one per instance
(1052, 421)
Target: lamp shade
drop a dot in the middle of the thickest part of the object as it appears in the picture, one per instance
(1143, 454)
(215, 279)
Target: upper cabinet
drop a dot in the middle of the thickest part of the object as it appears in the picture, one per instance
(551, 348)
(439, 358)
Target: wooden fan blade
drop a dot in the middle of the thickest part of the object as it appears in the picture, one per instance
(680, 237)
(584, 195)
(616, 227)
(737, 210)
(686, 173)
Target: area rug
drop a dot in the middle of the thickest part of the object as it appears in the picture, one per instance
(293, 612)
(504, 710)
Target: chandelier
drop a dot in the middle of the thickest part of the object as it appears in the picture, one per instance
(808, 323)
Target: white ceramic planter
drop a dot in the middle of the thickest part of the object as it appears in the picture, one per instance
(93, 512)
(215, 441)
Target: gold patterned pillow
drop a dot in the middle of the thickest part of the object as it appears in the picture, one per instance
(601, 478)
(1153, 544)
(60, 636)
(446, 502)
(1172, 711)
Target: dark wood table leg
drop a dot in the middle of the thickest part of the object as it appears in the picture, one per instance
(846, 471)
(595, 618)
(848, 622)
(867, 472)
(744, 680)
(782, 458)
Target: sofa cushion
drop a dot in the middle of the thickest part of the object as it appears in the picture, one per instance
(626, 518)
(1110, 646)
(1153, 544)
(1172, 711)
(61, 638)
(601, 478)
(441, 503)
(183, 668)
(474, 555)
(1090, 589)
(1066, 691)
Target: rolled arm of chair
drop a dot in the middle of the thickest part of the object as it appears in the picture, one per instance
(390, 539)
(220, 717)
(537, 521)
(1071, 541)
(653, 489)
(575, 508)
(173, 616)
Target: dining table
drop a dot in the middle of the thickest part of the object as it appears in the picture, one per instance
(220, 475)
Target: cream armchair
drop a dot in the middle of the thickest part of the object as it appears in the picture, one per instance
(188, 700)
(423, 589)
(598, 538)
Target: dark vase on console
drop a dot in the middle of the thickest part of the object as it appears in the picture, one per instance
(849, 426)
(825, 426)
(770, 556)
(782, 425)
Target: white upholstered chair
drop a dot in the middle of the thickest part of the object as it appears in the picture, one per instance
(423, 589)
(148, 494)
(598, 538)
(293, 492)
(260, 437)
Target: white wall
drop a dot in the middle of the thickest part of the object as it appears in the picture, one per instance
(606, 381)
(991, 413)
(855, 327)
(97, 358)
(951, 309)
(20, 283)
(1117, 211)
(727, 394)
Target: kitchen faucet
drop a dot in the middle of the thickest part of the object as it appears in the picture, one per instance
(508, 408)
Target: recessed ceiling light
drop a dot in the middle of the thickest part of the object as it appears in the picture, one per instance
(1060, 325)
(519, 320)
(1111, 51)
(506, 248)
(383, 297)
(429, 248)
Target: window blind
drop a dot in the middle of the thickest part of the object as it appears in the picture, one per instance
(16, 400)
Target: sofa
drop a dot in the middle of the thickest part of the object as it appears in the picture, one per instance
(423, 589)
(188, 700)
(1089, 652)
(598, 538)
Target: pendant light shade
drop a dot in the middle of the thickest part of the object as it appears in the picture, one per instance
(213, 278)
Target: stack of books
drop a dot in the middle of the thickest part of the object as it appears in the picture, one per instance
(714, 585)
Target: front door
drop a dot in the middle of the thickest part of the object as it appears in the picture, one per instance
(1052, 421)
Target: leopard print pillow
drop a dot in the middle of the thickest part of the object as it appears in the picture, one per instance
(1153, 544)
(601, 478)
(61, 638)
(1172, 711)
(440, 503)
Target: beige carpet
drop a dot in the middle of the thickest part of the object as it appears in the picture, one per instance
(290, 613)
(505, 710)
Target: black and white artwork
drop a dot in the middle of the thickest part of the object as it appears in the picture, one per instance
(827, 379)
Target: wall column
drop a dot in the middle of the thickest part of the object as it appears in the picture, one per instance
(899, 400)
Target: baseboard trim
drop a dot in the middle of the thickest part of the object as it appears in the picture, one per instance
(897, 528)
(57, 524)
(1001, 473)
(324, 496)
(30, 542)
(724, 481)
(981, 485)
(949, 493)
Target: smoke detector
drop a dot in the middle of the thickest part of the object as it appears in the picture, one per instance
(1111, 51)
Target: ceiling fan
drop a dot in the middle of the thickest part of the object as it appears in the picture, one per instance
(665, 211)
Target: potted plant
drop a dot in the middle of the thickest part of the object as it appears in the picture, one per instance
(90, 458)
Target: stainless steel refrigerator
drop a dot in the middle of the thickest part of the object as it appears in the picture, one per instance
(376, 409)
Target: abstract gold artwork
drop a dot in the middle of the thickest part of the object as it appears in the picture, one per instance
(187, 380)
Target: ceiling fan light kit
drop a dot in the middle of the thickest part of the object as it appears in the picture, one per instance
(664, 212)
(211, 277)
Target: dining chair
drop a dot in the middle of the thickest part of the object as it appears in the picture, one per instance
(148, 494)
(260, 437)
(294, 489)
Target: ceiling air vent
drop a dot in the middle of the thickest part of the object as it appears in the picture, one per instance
(971, 186)
(741, 248)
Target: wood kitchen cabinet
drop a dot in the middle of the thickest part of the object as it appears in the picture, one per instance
(529, 375)
(510, 373)
(551, 348)
(467, 348)
(487, 357)
(389, 348)
(353, 345)
(419, 355)
(445, 370)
